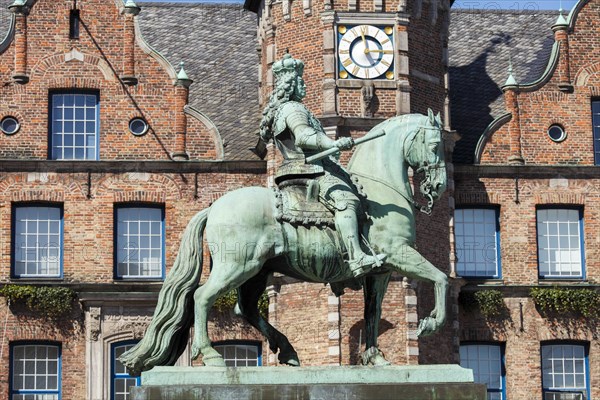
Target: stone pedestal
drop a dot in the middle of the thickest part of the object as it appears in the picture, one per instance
(430, 382)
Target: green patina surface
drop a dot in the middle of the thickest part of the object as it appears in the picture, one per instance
(176, 376)
(248, 219)
(432, 382)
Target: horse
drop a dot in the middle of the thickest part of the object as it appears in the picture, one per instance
(245, 219)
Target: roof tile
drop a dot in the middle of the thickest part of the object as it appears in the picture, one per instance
(480, 44)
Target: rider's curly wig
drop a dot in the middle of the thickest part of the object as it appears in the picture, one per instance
(283, 92)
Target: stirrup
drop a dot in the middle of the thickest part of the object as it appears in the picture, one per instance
(365, 263)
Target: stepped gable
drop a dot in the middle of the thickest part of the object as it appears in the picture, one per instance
(479, 46)
(217, 42)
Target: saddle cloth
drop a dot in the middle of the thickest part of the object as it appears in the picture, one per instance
(297, 202)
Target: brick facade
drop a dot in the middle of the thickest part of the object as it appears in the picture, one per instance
(132, 80)
(522, 170)
(178, 165)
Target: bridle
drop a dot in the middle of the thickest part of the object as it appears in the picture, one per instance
(425, 186)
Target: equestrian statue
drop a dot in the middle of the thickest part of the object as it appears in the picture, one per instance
(323, 223)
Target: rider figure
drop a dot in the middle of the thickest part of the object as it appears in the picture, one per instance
(298, 134)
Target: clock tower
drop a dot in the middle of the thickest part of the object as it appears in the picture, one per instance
(365, 61)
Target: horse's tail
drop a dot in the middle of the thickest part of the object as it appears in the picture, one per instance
(167, 336)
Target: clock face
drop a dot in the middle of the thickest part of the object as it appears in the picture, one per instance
(365, 52)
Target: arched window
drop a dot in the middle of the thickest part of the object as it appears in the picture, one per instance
(565, 371)
(37, 240)
(35, 371)
(120, 380)
(140, 241)
(477, 234)
(487, 362)
(560, 243)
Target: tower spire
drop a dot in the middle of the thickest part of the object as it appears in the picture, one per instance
(511, 81)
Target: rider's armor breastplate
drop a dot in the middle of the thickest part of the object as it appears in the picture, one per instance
(293, 165)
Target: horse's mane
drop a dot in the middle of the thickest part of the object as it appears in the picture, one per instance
(376, 146)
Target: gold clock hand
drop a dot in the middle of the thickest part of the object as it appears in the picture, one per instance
(364, 40)
(362, 35)
(381, 51)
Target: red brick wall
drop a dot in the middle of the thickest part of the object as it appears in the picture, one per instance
(522, 328)
(103, 47)
(89, 211)
(68, 332)
(540, 109)
(301, 315)
(425, 43)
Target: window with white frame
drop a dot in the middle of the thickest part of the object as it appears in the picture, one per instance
(487, 363)
(477, 242)
(565, 371)
(560, 243)
(121, 381)
(35, 372)
(140, 242)
(37, 241)
(240, 354)
(74, 126)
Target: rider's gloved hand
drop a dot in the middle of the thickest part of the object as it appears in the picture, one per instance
(344, 143)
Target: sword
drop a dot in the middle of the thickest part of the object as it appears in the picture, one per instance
(334, 150)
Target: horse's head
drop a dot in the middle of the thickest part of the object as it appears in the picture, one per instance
(426, 154)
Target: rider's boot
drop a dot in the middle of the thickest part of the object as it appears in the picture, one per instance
(360, 263)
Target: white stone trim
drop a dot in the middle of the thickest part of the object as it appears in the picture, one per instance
(307, 7)
(376, 18)
(333, 316)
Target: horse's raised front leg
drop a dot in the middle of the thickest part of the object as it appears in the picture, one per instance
(412, 264)
(374, 289)
(248, 295)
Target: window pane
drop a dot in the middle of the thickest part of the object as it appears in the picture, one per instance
(240, 355)
(35, 369)
(563, 367)
(477, 242)
(37, 241)
(74, 119)
(140, 242)
(121, 381)
(559, 243)
(486, 362)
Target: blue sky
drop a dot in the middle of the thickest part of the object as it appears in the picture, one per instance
(482, 4)
(516, 5)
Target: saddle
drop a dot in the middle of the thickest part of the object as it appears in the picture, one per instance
(297, 202)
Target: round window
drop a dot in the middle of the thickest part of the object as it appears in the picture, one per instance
(557, 133)
(9, 125)
(138, 126)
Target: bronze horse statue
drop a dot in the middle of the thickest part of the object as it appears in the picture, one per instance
(246, 218)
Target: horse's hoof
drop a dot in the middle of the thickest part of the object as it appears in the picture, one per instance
(427, 327)
(373, 356)
(292, 363)
(379, 361)
(214, 361)
(291, 360)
